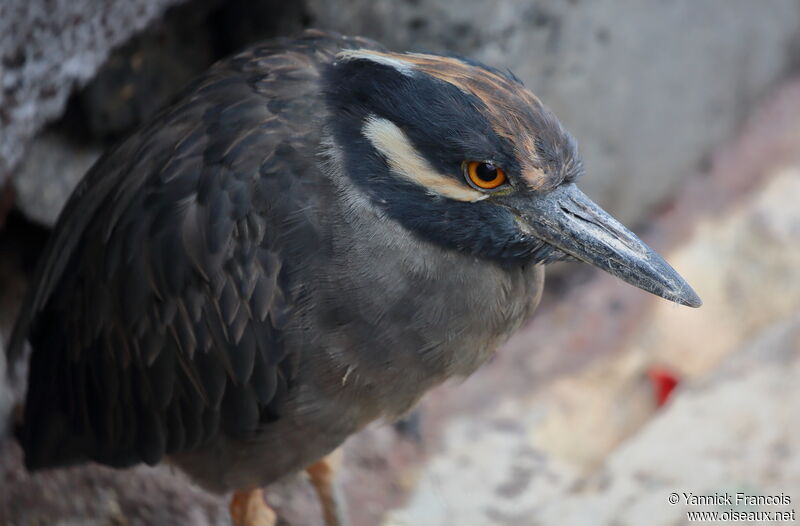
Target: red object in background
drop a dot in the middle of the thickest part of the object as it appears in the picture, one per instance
(664, 381)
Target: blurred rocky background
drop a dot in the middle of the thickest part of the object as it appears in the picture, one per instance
(688, 117)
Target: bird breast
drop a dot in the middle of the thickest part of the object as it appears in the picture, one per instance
(400, 315)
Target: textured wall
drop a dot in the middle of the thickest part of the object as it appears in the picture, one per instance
(47, 48)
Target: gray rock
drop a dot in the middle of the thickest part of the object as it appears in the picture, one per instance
(648, 88)
(734, 432)
(52, 168)
(49, 47)
(136, 80)
(92, 495)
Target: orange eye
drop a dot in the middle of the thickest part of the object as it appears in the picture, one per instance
(485, 174)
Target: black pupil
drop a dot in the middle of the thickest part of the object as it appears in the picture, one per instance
(486, 172)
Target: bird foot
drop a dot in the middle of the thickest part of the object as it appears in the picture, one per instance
(248, 508)
(323, 477)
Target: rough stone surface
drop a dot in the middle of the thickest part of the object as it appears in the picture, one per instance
(49, 48)
(648, 88)
(136, 80)
(53, 167)
(745, 267)
(95, 495)
(732, 432)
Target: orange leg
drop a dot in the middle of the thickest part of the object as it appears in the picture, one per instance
(323, 478)
(248, 508)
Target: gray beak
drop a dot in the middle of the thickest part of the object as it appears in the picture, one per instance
(570, 221)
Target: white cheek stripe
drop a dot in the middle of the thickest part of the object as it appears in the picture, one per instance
(406, 162)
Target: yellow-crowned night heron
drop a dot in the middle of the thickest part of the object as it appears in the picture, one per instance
(313, 235)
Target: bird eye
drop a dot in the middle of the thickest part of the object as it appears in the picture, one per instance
(484, 174)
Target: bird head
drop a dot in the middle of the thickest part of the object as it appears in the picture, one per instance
(469, 159)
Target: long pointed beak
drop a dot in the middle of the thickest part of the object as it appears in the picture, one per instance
(570, 221)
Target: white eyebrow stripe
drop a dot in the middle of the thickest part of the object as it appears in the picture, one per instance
(405, 161)
(406, 68)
